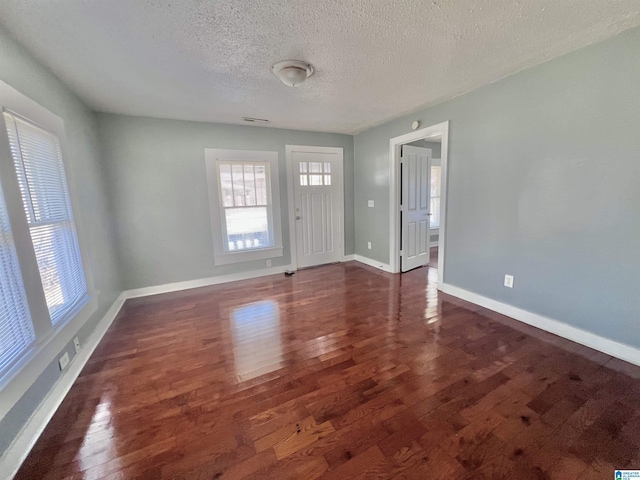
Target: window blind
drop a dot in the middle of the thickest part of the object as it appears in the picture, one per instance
(16, 330)
(45, 196)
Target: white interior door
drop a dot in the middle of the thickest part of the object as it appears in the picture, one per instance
(415, 201)
(317, 203)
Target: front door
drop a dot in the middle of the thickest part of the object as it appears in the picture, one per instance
(415, 204)
(318, 200)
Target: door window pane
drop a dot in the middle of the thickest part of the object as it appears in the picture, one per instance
(315, 167)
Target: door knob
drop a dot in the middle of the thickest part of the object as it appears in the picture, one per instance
(297, 217)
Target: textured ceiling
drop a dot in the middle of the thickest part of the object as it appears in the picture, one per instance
(375, 59)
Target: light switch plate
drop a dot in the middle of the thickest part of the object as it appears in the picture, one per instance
(370, 203)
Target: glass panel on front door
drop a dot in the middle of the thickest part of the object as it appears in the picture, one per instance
(315, 174)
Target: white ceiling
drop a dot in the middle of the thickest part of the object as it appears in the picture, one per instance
(375, 60)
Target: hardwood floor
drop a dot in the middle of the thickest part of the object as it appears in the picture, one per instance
(338, 372)
(433, 257)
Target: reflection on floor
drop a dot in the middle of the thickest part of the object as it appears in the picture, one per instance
(256, 328)
(338, 372)
(433, 257)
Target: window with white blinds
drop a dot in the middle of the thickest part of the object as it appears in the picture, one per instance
(16, 330)
(45, 196)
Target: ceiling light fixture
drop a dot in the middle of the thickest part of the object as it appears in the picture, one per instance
(292, 72)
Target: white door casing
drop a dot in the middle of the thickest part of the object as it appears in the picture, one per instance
(440, 130)
(316, 204)
(415, 201)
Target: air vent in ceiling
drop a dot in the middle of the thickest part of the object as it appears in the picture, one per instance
(255, 120)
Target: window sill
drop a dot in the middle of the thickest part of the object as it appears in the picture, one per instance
(248, 255)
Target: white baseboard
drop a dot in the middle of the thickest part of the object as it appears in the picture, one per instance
(204, 282)
(348, 258)
(373, 263)
(17, 452)
(583, 337)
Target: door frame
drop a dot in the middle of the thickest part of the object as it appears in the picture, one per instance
(395, 143)
(293, 244)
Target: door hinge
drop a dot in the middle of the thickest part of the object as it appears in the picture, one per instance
(401, 253)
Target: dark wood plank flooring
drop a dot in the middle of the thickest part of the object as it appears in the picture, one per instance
(338, 372)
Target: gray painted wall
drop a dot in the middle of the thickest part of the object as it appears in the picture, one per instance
(157, 182)
(544, 168)
(22, 72)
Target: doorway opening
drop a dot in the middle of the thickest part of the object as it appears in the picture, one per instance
(418, 181)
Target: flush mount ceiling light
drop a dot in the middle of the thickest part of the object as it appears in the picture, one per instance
(292, 72)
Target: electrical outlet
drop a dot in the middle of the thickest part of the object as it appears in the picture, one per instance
(76, 344)
(370, 203)
(508, 281)
(369, 245)
(269, 263)
(64, 361)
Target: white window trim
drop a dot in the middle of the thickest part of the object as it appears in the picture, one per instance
(50, 340)
(221, 256)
